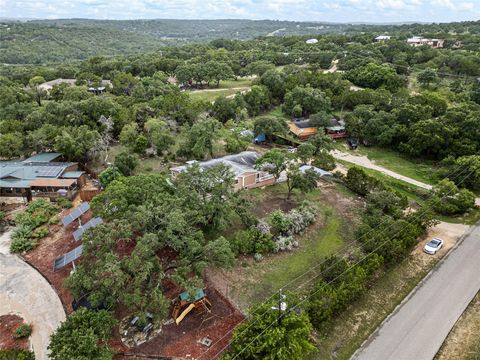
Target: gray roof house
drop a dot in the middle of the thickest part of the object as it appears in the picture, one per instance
(41, 175)
(242, 166)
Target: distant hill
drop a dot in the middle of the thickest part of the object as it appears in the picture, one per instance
(44, 41)
(47, 41)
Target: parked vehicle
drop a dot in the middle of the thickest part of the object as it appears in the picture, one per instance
(433, 246)
(352, 143)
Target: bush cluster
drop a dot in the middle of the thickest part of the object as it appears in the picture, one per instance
(24, 237)
(16, 354)
(295, 221)
(253, 241)
(23, 331)
(391, 235)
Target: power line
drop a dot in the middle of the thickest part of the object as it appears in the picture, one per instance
(329, 282)
(321, 263)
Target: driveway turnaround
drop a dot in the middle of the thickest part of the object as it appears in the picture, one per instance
(25, 292)
(418, 327)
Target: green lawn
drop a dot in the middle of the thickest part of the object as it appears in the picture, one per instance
(241, 82)
(424, 171)
(208, 95)
(253, 282)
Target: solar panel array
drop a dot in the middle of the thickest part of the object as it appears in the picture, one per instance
(77, 234)
(67, 258)
(75, 214)
(49, 171)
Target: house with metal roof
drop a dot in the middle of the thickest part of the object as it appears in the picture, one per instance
(303, 130)
(41, 175)
(242, 166)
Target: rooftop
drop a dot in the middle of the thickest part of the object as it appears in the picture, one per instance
(43, 157)
(21, 173)
(238, 163)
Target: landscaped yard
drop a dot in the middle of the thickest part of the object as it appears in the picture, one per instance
(251, 282)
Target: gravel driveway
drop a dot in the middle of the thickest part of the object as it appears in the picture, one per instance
(25, 292)
(365, 162)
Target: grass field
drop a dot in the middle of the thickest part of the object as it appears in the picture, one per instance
(226, 88)
(251, 282)
(209, 95)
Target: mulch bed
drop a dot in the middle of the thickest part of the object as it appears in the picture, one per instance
(8, 324)
(173, 341)
(181, 341)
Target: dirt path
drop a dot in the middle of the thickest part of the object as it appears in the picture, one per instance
(369, 164)
(25, 292)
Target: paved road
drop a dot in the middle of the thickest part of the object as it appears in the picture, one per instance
(418, 327)
(25, 292)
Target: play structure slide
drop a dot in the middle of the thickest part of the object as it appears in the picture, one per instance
(184, 313)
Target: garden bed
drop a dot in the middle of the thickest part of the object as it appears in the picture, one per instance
(59, 241)
(8, 324)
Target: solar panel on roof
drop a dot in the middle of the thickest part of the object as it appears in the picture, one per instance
(49, 171)
(75, 214)
(67, 258)
(77, 234)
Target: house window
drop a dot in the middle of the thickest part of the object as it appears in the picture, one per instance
(236, 181)
(257, 177)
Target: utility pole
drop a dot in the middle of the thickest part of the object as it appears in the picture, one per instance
(282, 305)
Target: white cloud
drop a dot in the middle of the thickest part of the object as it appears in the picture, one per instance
(312, 10)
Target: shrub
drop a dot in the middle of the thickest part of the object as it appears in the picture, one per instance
(253, 241)
(16, 354)
(283, 243)
(449, 200)
(280, 221)
(40, 233)
(258, 257)
(295, 221)
(64, 203)
(324, 161)
(37, 213)
(21, 240)
(22, 331)
(328, 299)
(54, 220)
(361, 183)
(301, 218)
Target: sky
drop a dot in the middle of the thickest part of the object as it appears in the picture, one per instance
(299, 10)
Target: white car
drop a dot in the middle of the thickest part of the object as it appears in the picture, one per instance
(433, 246)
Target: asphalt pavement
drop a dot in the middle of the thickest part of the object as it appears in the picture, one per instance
(420, 324)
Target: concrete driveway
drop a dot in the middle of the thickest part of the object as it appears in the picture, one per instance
(25, 292)
(418, 327)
